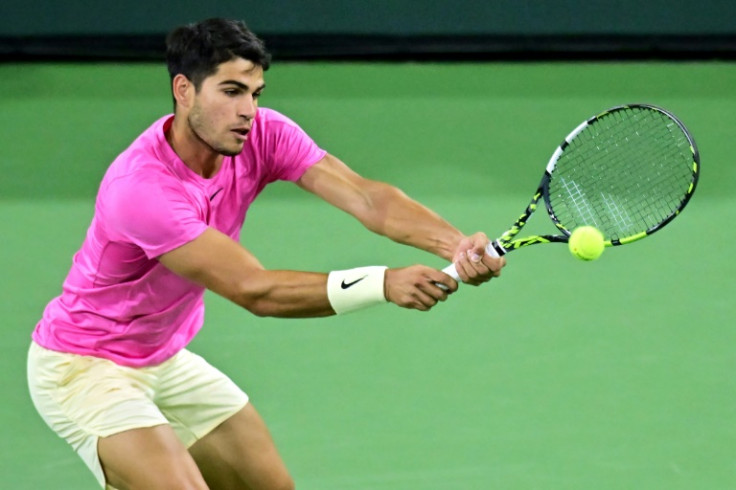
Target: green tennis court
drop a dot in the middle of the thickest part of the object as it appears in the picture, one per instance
(617, 374)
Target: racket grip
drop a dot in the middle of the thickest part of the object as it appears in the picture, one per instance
(493, 249)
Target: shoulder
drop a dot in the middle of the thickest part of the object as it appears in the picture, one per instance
(138, 182)
(269, 122)
(274, 127)
(146, 160)
(134, 173)
(267, 117)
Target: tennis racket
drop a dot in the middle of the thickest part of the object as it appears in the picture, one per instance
(628, 171)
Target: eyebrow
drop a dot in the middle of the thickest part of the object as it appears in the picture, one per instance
(241, 85)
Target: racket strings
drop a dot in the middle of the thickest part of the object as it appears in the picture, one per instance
(625, 173)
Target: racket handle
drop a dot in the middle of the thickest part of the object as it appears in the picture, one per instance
(493, 249)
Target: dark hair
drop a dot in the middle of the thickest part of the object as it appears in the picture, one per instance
(196, 50)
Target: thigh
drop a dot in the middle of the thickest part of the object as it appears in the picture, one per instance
(148, 458)
(84, 398)
(240, 454)
(195, 396)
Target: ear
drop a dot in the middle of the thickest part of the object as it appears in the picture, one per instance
(183, 91)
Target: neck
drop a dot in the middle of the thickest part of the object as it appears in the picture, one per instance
(195, 153)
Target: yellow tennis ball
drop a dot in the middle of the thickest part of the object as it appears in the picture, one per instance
(586, 243)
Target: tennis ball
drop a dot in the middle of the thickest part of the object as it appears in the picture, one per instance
(586, 243)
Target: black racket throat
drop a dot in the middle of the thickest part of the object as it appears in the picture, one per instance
(507, 242)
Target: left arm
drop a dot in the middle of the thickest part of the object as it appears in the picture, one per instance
(388, 211)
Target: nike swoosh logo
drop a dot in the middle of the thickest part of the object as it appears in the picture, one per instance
(346, 285)
(216, 193)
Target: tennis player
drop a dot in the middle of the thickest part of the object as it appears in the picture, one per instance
(108, 367)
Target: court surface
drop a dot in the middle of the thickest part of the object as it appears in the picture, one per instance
(617, 374)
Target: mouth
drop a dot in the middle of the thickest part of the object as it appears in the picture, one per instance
(241, 133)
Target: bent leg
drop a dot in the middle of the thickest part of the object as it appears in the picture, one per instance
(106, 413)
(148, 458)
(240, 454)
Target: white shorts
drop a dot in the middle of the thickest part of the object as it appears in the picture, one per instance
(83, 398)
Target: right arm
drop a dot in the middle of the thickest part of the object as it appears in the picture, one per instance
(223, 266)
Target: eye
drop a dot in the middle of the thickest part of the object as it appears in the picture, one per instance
(231, 92)
(256, 95)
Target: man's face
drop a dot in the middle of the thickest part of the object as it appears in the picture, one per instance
(225, 106)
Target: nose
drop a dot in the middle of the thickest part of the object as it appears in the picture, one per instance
(248, 107)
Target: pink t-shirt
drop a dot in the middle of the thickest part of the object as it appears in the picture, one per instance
(118, 302)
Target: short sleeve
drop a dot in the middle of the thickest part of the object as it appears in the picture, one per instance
(290, 149)
(153, 212)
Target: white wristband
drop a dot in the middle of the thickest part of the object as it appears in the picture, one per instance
(354, 289)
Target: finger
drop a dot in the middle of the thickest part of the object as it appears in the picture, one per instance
(422, 301)
(434, 286)
(472, 271)
(441, 283)
(477, 262)
(494, 264)
(491, 263)
(436, 290)
(476, 253)
(461, 266)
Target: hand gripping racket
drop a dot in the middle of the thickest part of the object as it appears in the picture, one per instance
(627, 171)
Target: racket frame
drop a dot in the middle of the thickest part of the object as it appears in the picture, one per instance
(508, 241)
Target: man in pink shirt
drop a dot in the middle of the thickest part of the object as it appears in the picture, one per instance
(108, 366)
